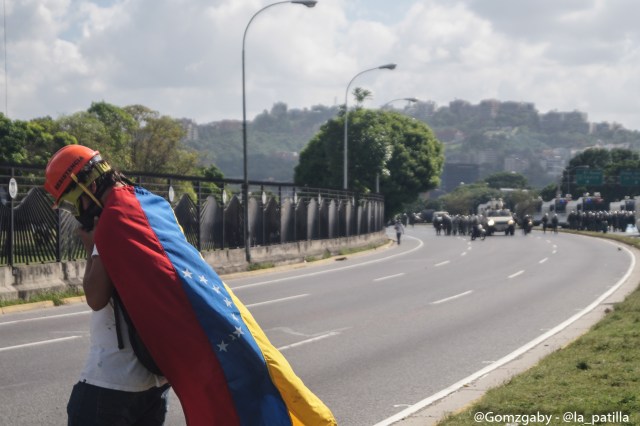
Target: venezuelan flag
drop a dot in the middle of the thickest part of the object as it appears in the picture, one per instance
(220, 363)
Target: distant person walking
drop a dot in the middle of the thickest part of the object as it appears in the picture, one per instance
(554, 223)
(399, 230)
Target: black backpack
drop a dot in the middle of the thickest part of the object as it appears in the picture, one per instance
(141, 351)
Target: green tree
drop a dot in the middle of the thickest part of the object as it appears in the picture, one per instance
(156, 143)
(44, 137)
(466, 198)
(88, 130)
(12, 141)
(506, 180)
(401, 152)
(611, 163)
(31, 142)
(361, 95)
(119, 125)
(549, 192)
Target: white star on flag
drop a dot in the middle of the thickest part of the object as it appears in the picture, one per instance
(238, 332)
(203, 279)
(222, 346)
(216, 289)
(228, 302)
(235, 318)
(186, 273)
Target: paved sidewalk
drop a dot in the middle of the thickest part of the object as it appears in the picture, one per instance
(460, 395)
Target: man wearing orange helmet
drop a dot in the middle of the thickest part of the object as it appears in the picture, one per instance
(218, 360)
(114, 387)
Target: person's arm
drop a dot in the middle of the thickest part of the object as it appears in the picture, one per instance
(96, 283)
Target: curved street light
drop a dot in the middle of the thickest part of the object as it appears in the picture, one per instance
(245, 182)
(346, 117)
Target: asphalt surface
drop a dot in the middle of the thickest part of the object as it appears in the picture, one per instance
(382, 338)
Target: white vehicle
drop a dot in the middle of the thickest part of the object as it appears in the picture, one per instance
(497, 218)
(626, 205)
(557, 206)
(500, 220)
(587, 203)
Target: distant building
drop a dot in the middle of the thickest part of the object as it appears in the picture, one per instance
(191, 127)
(456, 173)
(516, 164)
(555, 121)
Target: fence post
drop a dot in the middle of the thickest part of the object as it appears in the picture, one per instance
(58, 235)
(223, 197)
(198, 216)
(11, 226)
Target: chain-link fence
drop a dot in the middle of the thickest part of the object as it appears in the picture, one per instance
(210, 212)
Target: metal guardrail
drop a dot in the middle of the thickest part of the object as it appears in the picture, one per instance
(209, 211)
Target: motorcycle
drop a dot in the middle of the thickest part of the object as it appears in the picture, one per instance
(478, 231)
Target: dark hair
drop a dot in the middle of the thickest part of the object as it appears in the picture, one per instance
(109, 179)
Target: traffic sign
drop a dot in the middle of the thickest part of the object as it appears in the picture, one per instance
(589, 177)
(630, 177)
(13, 188)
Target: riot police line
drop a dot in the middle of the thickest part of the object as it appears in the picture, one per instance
(595, 221)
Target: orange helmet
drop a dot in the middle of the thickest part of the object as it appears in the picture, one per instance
(65, 166)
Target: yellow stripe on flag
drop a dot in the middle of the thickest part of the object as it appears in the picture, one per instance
(305, 408)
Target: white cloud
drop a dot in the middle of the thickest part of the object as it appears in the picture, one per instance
(183, 57)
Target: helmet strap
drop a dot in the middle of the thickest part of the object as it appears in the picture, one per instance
(86, 190)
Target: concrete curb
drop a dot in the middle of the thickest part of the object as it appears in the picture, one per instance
(26, 307)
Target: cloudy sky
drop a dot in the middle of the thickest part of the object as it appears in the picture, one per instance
(182, 58)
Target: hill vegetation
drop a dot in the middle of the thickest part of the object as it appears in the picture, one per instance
(486, 134)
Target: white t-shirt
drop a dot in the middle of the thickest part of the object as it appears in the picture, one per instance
(109, 367)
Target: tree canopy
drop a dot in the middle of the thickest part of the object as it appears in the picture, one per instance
(401, 152)
(612, 163)
(506, 180)
(133, 138)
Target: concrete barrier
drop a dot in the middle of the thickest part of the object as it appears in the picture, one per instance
(23, 281)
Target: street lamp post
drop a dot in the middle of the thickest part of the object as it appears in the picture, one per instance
(569, 170)
(346, 118)
(245, 182)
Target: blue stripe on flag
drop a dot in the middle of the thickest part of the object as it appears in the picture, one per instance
(257, 399)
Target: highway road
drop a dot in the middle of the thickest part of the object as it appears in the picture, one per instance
(371, 334)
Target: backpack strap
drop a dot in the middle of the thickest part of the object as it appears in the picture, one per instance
(138, 346)
(116, 312)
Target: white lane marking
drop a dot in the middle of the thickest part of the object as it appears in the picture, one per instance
(441, 263)
(510, 357)
(389, 277)
(544, 260)
(284, 299)
(45, 318)
(43, 342)
(437, 302)
(342, 268)
(313, 339)
(516, 274)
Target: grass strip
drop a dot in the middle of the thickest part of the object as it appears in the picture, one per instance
(57, 297)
